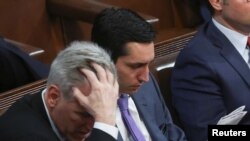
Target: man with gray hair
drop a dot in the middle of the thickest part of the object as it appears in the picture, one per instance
(79, 101)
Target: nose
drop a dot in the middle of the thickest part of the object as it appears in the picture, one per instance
(144, 74)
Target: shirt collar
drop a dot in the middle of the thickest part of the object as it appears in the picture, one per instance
(56, 131)
(237, 39)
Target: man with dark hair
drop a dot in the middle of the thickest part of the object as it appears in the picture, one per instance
(129, 39)
(211, 75)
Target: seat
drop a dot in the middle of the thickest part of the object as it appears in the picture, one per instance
(9, 97)
(28, 49)
(48, 24)
(18, 67)
(166, 53)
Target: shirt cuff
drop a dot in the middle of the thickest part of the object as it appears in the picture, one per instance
(111, 130)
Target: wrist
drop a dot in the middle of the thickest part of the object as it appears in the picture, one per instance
(110, 120)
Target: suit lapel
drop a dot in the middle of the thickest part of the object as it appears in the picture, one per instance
(145, 107)
(229, 52)
(236, 61)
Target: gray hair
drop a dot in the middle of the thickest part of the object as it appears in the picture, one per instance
(64, 71)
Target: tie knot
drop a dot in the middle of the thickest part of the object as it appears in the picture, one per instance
(123, 102)
(248, 41)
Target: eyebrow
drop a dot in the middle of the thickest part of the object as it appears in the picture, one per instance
(140, 62)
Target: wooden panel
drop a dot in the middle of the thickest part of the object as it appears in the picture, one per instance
(51, 24)
(9, 97)
(166, 52)
(78, 16)
(27, 21)
(172, 45)
(187, 13)
(162, 9)
(83, 10)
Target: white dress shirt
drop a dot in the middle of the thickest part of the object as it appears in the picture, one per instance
(238, 40)
(135, 115)
(61, 138)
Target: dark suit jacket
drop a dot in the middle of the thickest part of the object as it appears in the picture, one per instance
(210, 79)
(18, 68)
(154, 113)
(26, 120)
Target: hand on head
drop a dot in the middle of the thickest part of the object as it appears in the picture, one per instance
(101, 103)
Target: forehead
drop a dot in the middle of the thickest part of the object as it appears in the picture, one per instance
(140, 51)
(73, 103)
(71, 107)
(84, 87)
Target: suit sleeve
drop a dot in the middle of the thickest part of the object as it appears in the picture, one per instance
(170, 130)
(196, 93)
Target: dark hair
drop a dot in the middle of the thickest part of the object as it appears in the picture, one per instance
(113, 28)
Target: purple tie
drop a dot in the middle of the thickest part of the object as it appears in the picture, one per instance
(129, 122)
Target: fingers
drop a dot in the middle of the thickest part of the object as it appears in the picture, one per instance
(102, 75)
(101, 80)
(110, 77)
(91, 76)
(101, 102)
(116, 89)
(80, 97)
(100, 72)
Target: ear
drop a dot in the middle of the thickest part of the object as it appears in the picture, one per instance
(52, 96)
(216, 4)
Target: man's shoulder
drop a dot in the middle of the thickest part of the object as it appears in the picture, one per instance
(24, 122)
(151, 84)
(23, 115)
(149, 90)
(22, 127)
(200, 46)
